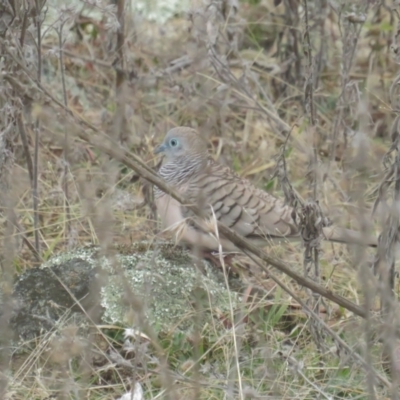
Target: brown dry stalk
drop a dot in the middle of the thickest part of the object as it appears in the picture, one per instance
(66, 138)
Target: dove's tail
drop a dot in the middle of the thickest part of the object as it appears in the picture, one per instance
(343, 235)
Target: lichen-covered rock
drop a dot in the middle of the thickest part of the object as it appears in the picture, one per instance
(160, 285)
(43, 296)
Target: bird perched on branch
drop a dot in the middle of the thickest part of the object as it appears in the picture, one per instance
(221, 195)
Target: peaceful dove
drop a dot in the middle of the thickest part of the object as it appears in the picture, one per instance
(224, 196)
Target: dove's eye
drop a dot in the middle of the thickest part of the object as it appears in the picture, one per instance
(173, 142)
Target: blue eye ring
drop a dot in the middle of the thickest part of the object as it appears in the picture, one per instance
(173, 142)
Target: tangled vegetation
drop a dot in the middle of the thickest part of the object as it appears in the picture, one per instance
(299, 96)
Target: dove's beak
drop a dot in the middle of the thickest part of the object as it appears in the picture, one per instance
(159, 149)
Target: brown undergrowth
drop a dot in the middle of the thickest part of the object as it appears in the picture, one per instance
(252, 77)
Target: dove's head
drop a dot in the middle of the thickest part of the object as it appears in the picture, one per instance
(181, 143)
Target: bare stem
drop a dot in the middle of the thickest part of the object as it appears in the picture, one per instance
(36, 132)
(66, 139)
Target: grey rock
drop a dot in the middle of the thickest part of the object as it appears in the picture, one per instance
(41, 297)
(144, 285)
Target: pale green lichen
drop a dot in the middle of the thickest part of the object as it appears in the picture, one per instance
(85, 253)
(157, 283)
(164, 283)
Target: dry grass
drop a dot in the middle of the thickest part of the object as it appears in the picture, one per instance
(243, 85)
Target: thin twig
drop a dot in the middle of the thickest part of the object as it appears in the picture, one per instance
(309, 97)
(24, 25)
(119, 123)
(81, 57)
(350, 40)
(35, 194)
(120, 76)
(312, 218)
(310, 78)
(25, 145)
(66, 139)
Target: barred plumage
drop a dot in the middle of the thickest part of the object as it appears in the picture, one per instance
(178, 172)
(223, 195)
